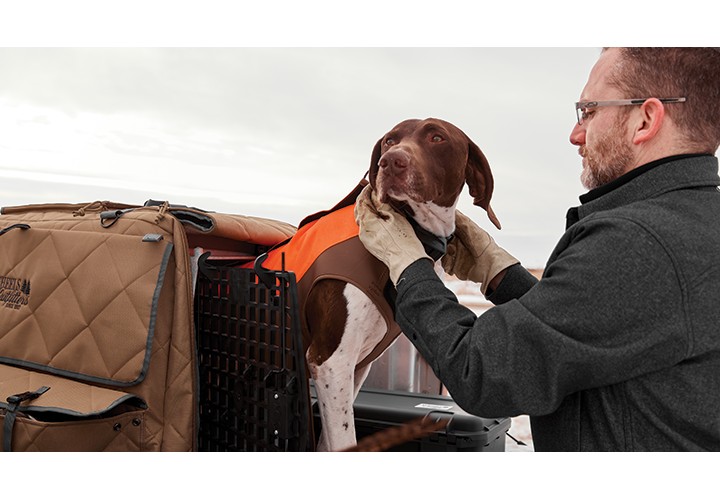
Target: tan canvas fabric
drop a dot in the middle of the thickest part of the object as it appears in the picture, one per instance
(69, 415)
(100, 295)
(65, 395)
(121, 433)
(242, 228)
(78, 288)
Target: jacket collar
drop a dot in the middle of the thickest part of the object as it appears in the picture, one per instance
(647, 181)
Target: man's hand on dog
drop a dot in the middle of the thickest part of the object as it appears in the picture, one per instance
(386, 234)
(473, 255)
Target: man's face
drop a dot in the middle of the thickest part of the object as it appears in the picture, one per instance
(606, 155)
(603, 138)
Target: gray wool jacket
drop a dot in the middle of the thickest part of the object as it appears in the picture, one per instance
(617, 348)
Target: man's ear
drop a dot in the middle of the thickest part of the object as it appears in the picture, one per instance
(650, 122)
(480, 180)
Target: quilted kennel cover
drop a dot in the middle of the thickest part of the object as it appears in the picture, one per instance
(97, 348)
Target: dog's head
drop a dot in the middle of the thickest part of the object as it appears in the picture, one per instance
(429, 161)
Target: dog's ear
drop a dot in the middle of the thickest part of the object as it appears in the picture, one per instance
(480, 180)
(374, 160)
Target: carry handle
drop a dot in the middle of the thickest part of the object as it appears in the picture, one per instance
(24, 227)
(112, 216)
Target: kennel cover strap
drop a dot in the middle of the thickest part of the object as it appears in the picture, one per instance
(11, 412)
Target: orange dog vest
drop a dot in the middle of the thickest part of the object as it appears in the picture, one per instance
(326, 246)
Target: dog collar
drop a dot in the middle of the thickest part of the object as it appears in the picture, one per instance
(435, 246)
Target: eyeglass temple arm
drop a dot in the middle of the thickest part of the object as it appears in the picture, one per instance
(624, 102)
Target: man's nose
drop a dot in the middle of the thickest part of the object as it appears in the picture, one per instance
(577, 136)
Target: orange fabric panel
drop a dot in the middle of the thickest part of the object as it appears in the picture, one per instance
(312, 240)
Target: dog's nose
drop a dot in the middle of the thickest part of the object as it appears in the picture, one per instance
(394, 160)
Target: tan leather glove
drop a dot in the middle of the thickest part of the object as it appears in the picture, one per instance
(473, 255)
(386, 234)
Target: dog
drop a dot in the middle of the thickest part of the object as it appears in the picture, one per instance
(420, 167)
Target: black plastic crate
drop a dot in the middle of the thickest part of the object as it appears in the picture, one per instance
(253, 388)
(376, 410)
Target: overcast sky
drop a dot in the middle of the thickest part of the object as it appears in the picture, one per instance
(285, 132)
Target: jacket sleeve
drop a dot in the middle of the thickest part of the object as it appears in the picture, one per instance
(608, 308)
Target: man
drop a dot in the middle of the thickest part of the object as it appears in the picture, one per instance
(618, 346)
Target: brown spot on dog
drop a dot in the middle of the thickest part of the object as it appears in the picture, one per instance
(326, 312)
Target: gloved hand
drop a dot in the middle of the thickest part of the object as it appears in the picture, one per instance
(386, 234)
(473, 255)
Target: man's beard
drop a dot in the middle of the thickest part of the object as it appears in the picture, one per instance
(608, 159)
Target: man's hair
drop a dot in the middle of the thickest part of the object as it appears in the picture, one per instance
(689, 72)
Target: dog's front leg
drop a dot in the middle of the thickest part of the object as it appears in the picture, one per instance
(334, 383)
(345, 327)
(331, 357)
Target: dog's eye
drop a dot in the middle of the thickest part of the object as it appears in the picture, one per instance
(437, 138)
(389, 141)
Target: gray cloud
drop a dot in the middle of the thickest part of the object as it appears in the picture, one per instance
(294, 127)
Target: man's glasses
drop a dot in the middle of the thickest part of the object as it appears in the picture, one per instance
(582, 107)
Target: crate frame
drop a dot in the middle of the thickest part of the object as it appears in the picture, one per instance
(253, 383)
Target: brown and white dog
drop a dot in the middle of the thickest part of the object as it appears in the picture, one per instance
(420, 168)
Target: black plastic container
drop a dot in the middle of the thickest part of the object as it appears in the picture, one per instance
(376, 410)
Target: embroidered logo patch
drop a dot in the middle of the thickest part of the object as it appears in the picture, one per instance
(14, 292)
